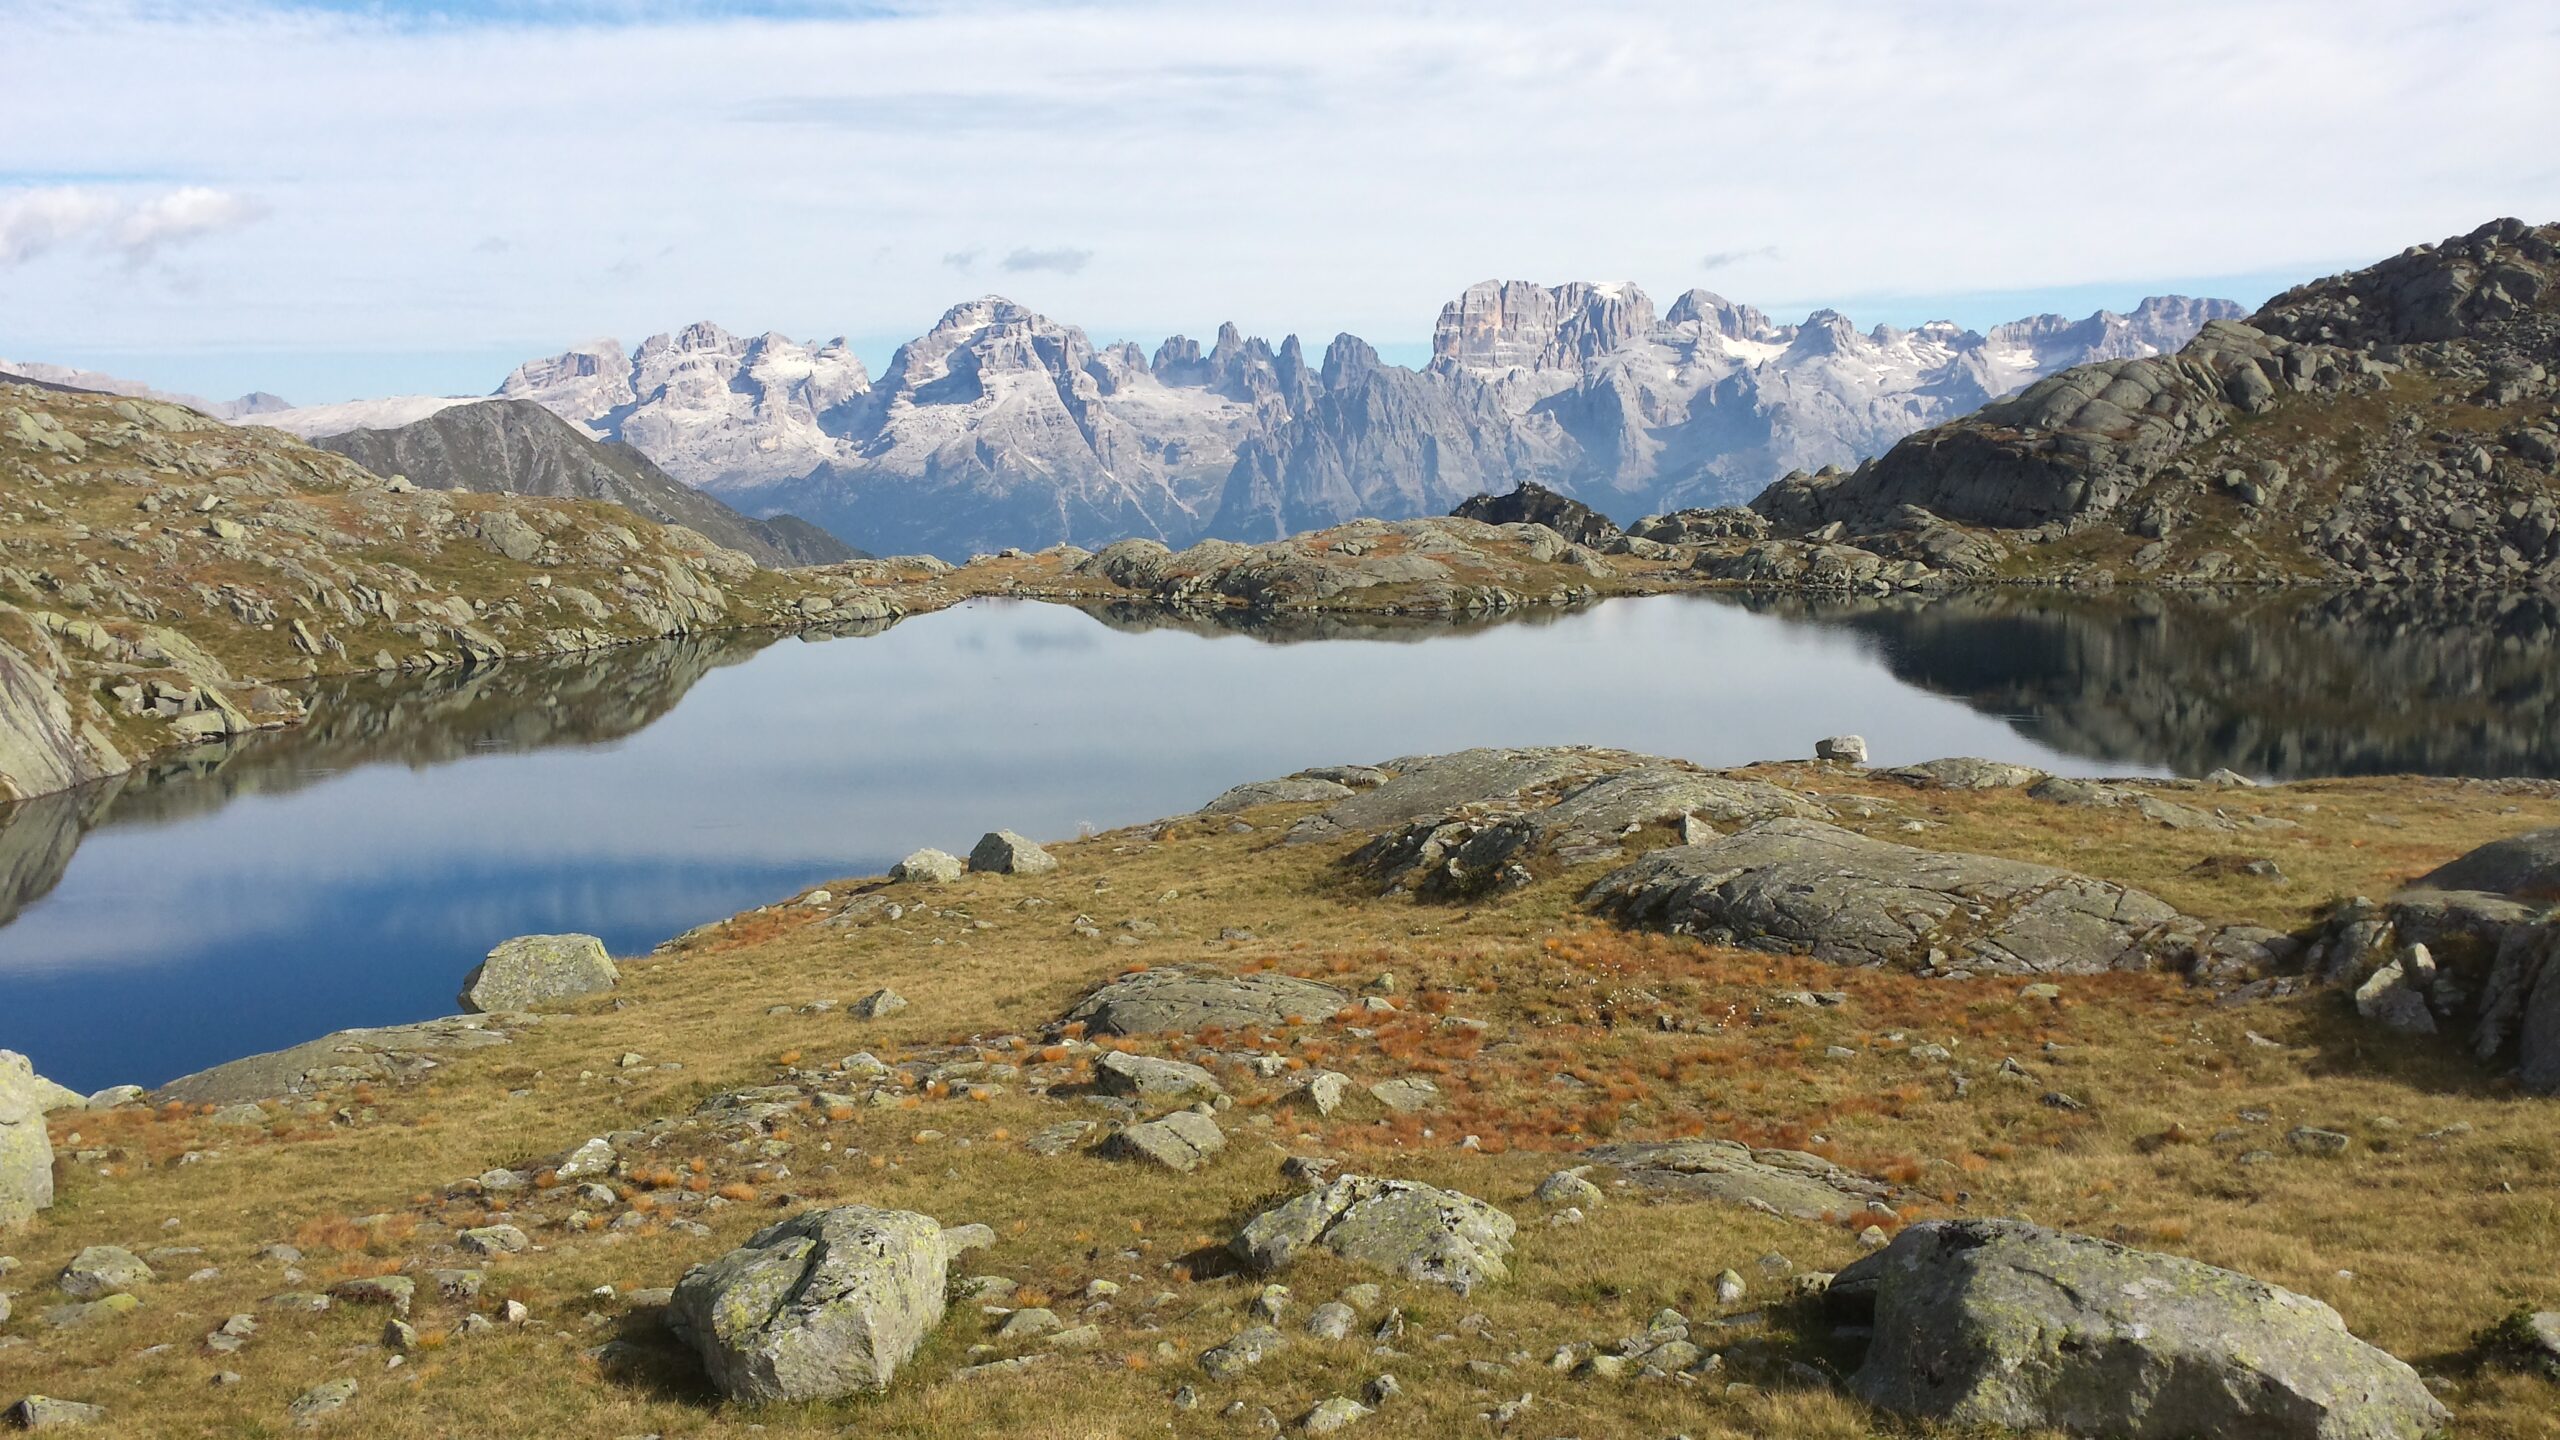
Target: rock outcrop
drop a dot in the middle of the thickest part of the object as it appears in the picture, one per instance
(391, 1053)
(1802, 886)
(1425, 1234)
(26, 1150)
(1787, 1182)
(823, 1305)
(533, 972)
(1446, 567)
(2002, 1324)
(1189, 999)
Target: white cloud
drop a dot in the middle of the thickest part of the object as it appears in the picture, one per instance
(1064, 259)
(1327, 165)
(64, 217)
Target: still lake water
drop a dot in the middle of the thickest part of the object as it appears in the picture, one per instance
(351, 872)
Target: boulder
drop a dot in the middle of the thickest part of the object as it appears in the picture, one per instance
(1801, 886)
(1436, 784)
(533, 971)
(345, 1057)
(1001, 852)
(22, 1088)
(102, 1270)
(928, 867)
(2003, 1324)
(26, 1159)
(879, 1004)
(1147, 1077)
(1847, 749)
(1294, 790)
(822, 1305)
(1789, 1182)
(1185, 999)
(1181, 1141)
(43, 1412)
(2520, 867)
(1434, 1236)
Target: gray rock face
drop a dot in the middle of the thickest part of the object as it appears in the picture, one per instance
(1182, 1141)
(2002, 1324)
(531, 972)
(1438, 1237)
(1801, 886)
(26, 1148)
(1437, 784)
(2521, 867)
(1001, 852)
(1184, 1000)
(1789, 1182)
(517, 447)
(1535, 504)
(346, 1057)
(822, 1305)
(1965, 772)
(1293, 790)
(2439, 959)
(1480, 848)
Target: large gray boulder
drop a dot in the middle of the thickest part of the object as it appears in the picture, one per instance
(2003, 1324)
(20, 1082)
(533, 971)
(1182, 1141)
(1965, 772)
(26, 1149)
(1182, 999)
(1151, 1077)
(1002, 852)
(1789, 1182)
(822, 1305)
(1801, 886)
(2520, 867)
(1435, 1236)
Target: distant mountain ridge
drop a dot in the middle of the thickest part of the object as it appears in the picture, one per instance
(1001, 426)
(517, 447)
(256, 402)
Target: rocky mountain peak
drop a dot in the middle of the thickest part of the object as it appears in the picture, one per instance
(1348, 356)
(1716, 315)
(2426, 292)
(1518, 324)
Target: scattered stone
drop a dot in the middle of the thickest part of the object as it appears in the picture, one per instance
(1332, 1321)
(320, 1402)
(1323, 1092)
(1405, 1094)
(1788, 1182)
(534, 971)
(1567, 1187)
(822, 1305)
(1729, 1288)
(1248, 1349)
(1436, 1236)
(43, 1412)
(1028, 1324)
(2311, 1140)
(493, 1240)
(1002, 852)
(595, 1157)
(396, 1291)
(1334, 1415)
(1184, 999)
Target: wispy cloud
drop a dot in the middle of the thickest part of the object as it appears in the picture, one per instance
(135, 230)
(963, 261)
(1064, 259)
(1721, 259)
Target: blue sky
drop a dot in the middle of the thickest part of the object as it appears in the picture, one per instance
(333, 199)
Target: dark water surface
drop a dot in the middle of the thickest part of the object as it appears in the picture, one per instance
(350, 873)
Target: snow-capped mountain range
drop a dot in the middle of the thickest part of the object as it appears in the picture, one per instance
(1002, 427)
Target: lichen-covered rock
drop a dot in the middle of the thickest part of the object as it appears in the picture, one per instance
(43, 1412)
(1800, 886)
(1180, 999)
(1435, 1236)
(2003, 1324)
(1181, 1141)
(928, 867)
(532, 971)
(1001, 852)
(1789, 1182)
(26, 1150)
(1149, 1077)
(102, 1270)
(822, 1305)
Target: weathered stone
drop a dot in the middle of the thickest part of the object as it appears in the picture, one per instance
(1846, 749)
(493, 1240)
(1248, 1349)
(2520, 867)
(928, 867)
(1148, 1077)
(822, 1305)
(392, 1052)
(878, 1004)
(534, 971)
(1789, 1182)
(1807, 887)
(1001, 852)
(1965, 772)
(1405, 1093)
(102, 1270)
(395, 1291)
(43, 1412)
(1292, 790)
(1181, 1141)
(1439, 1237)
(320, 1402)
(1188, 999)
(595, 1157)
(2003, 1324)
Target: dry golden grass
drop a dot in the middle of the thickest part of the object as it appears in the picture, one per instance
(1590, 1033)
